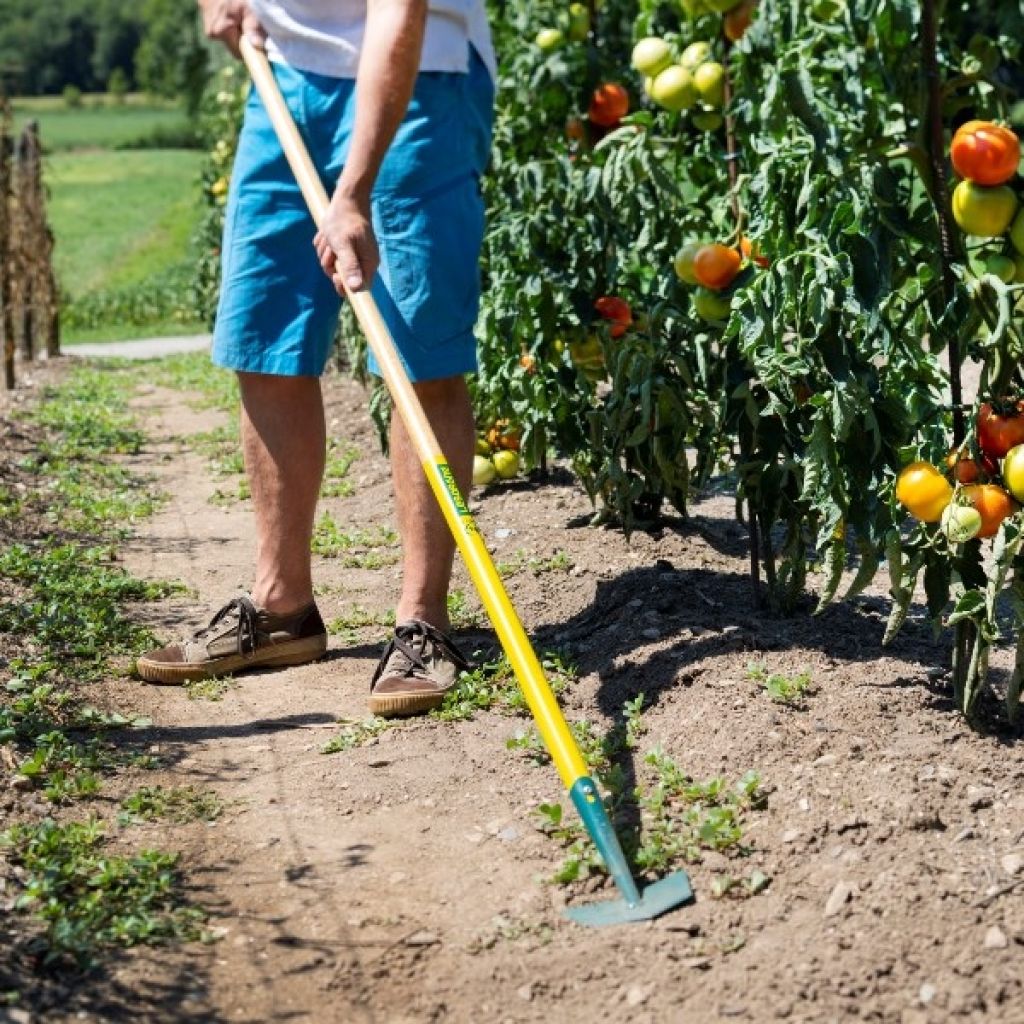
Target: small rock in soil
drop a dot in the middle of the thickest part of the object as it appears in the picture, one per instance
(525, 992)
(840, 896)
(927, 992)
(637, 995)
(791, 835)
(422, 938)
(1012, 863)
(995, 938)
(979, 797)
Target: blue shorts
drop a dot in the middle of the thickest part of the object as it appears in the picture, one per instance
(278, 312)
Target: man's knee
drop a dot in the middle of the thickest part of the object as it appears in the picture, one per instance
(274, 386)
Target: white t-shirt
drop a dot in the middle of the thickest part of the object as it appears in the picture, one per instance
(325, 36)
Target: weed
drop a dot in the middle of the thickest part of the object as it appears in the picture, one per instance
(679, 817)
(209, 689)
(356, 548)
(192, 371)
(356, 734)
(358, 617)
(222, 497)
(461, 614)
(493, 685)
(180, 804)
(70, 603)
(88, 899)
(340, 456)
(520, 560)
(782, 689)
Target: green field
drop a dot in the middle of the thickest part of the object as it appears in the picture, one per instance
(98, 123)
(121, 217)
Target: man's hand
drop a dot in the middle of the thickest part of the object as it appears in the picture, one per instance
(345, 243)
(229, 20)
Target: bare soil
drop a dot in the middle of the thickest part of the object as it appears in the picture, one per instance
(404, 880)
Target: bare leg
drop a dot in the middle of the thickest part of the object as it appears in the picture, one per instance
(284, 444)
(427, 544)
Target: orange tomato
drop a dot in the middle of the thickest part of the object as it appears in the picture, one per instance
(575, 130)
(608, 105)
(985, 152)
(611, 307)
(715, 266)
(737, 21)
(528, 362)
(923, 491)
(993, 503)
(751, 252)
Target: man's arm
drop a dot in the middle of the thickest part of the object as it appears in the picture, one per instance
(387, 72)
(228, 21)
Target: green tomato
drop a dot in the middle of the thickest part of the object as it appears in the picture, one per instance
(1013, 471)
(549, 39)
(960, 522)
(711, 306)
(579, 22)
(483, 471)
(1017, 232)
(709, 79)
(506, 464)
(707, 120)
(651, 55)
(683, 263)
(695, 55)
(1002, 267)
(984, 211)
(673, 89)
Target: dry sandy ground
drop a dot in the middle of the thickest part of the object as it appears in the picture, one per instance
(404, 880)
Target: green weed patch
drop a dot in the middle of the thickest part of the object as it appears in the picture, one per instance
(88, 899)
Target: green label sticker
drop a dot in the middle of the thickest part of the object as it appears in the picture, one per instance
(448, 479)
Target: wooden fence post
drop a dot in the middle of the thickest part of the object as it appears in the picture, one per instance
(22, 221)
(6, 247)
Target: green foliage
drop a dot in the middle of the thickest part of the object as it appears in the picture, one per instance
(171, 59)
(781, 688)
(359, 548)
(492, 685)
(357, 734)
(680, 818)
(177, 804)
(88, 899)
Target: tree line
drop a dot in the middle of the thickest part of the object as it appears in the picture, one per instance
(93, 45)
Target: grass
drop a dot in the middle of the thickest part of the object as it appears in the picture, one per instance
(357, 734)
(209, 689)
(121, 218)
(165, 328)
(98, 123)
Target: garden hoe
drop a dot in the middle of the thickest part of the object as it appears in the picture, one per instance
(656, 899)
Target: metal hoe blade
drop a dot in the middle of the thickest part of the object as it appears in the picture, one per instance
(657, 899)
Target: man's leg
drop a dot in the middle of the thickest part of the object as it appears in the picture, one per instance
(427, 544)
(284, 443)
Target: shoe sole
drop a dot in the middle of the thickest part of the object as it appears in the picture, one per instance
(291, 652)
(398, 705)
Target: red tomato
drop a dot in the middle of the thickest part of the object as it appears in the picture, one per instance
(608, 105)
(965, 470)
(1000, 428)
(985, 152)
(993, 503)
(611, 307)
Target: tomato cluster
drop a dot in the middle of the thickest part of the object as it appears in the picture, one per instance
(986, 155)
(987, 483)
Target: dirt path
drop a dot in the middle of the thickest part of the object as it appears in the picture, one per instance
(401, 881)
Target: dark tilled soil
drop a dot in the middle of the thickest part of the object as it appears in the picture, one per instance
(404, 880)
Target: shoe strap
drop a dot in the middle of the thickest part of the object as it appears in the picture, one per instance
(404, 642)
